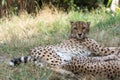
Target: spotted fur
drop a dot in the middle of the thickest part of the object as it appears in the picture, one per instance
(105, 70)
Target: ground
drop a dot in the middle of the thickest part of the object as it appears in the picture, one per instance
(18, 34)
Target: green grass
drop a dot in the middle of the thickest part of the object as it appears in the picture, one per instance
(19, 34)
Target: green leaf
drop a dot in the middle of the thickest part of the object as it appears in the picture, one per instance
(3, 2)
(109, 2)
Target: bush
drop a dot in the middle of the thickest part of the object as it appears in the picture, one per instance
(8, 7)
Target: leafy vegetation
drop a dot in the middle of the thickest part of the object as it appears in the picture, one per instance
(11, 7)
(18, 34)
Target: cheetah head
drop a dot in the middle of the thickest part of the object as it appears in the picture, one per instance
(79, 29)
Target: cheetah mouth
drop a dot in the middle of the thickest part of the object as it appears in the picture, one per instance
(80, 36)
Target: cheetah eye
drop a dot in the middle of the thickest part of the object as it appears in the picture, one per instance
(83, 28)
(75, 28)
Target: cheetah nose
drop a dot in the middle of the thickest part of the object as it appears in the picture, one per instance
(80, 34)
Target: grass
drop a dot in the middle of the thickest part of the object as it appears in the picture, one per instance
(18, 34)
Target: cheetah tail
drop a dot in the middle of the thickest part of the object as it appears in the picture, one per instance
(18, 61)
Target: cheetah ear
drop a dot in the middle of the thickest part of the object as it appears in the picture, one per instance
(88, 24)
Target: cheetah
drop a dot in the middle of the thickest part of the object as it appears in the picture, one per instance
(79, 31)
(55, 55)
(100, 70)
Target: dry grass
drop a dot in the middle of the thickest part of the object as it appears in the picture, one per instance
(20, 33)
